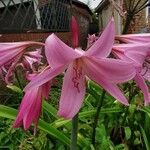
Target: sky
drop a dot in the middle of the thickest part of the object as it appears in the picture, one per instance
(92, 3)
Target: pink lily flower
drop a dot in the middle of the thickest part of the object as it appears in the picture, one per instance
(139, 54)
(30, 58)
(91, 40)
(134, 38)
(11, 54)
(30, 107)
(93, 63)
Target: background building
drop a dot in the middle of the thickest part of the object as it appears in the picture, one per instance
(36, 19)
(137, 25)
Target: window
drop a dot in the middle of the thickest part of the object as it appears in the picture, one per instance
(33, 15)
(17, 17)
(55, 16)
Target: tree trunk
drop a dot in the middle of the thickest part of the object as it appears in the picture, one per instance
(127, 24)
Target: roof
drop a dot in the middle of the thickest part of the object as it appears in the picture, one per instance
(82, 5)
(101, 5)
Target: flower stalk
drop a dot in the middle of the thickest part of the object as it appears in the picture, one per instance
(74, 132)
(99, 105)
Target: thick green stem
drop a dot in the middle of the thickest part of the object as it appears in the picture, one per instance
(73, 145)
(131, 95)
(99, 105)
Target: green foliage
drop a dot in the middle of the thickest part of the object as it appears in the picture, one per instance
(145, 138)
(127, 133)
(118, 128)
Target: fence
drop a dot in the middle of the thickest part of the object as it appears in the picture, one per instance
(34, 15)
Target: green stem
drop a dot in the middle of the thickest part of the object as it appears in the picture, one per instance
(18, 80)
(99, 105)
(123, 123)
(131, 95)
(73, 145)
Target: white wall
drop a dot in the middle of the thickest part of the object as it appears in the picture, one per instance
(106, 15)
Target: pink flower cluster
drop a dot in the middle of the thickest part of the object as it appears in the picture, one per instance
(132, 62)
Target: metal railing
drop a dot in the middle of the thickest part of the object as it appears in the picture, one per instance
(34, 15)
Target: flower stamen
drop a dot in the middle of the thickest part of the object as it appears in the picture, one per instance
(76, 78)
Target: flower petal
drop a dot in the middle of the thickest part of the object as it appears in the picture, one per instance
(135, 52)
(34, 109)
(46, 88)
(9, 57)
(8, 51)
(73, 92)
(11, 69)
(91, 40)
(141, 83)
(118, 54)
(32, 57)
(102, 47)
(111, 88)
(136, 57)
(29, 61)
(147, 75)
(113, 70)
(44, 77)
(24, 107)
(134, 38)
(35, 54)
(57, 52)
(9, 47)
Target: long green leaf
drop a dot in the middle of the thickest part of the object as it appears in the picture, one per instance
(10, 113)
(15, 89)
(67, 123)
(146, 110)
(7, 112)
(50, 109)
(145, 138)
(61, 122)
(53, 131)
